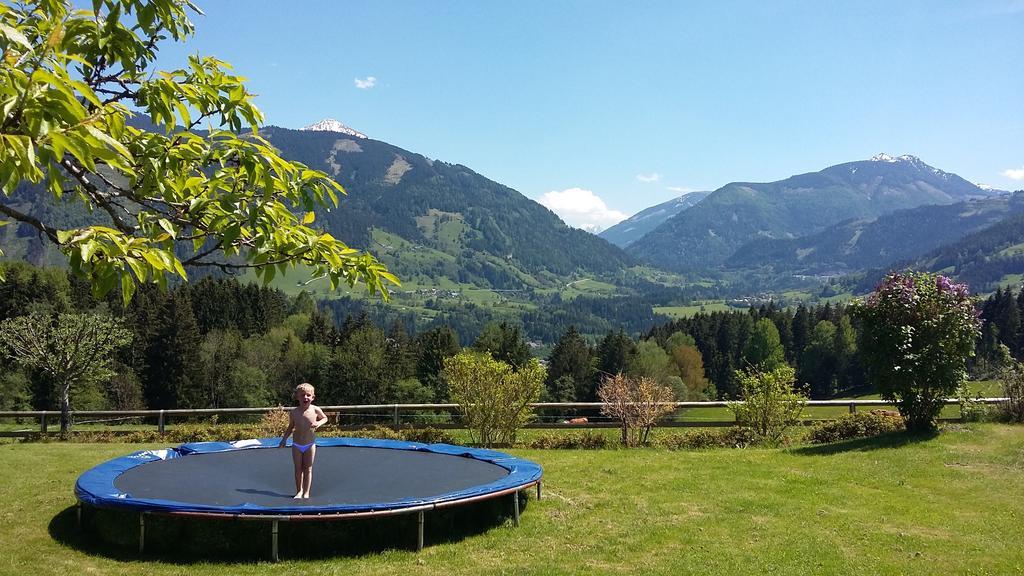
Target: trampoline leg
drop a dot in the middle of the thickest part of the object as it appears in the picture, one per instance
(78, 514)
(273, 541)
(142, 532)
(419, 532)
(538, 489)
(515, 505)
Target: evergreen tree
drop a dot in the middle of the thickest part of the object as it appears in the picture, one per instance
(504, 342)
(849, 373)
(801, 330)
(434, 346)
(401, 351)
(319, 330)
(175, 377)
(360, 373)
(571, 358)
(818, 366)
(784, 324)
(613, 354)
(1007, 318)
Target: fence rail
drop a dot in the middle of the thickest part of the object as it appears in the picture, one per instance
(394, 413)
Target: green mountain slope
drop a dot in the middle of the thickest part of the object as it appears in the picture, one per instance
(489, 234)
(985, 259)
(869, 243)
(706, 235)
(633, 228)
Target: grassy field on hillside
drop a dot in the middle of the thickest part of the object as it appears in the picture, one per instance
(890, 505)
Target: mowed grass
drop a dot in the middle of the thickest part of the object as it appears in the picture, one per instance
(948, 504)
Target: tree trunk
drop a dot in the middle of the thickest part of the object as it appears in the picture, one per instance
(65, 411)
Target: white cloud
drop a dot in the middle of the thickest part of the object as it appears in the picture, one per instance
(581, 208)
(1014, 174)
(680, 189)
(366, 83)
(652, 177)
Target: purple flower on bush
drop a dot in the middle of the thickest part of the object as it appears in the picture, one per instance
(918, 331)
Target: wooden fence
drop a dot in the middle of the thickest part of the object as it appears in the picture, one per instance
(551, 414)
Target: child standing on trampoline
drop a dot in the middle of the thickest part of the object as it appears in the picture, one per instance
(303, 420)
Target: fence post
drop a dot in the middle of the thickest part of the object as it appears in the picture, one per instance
(853, 408)
(160, 423)
(42, 423)
(396, 422)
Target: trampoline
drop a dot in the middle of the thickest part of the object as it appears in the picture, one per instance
(353, 478)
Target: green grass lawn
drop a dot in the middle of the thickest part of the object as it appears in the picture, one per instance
(948, 504)
(690, 311)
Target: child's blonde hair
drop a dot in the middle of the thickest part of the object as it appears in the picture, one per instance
(304, 387)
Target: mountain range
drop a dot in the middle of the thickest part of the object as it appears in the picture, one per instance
(633, 228)
(706, 235)
(860, 244)
(430, 218)
(459, 240)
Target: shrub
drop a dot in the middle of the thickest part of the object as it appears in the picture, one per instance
(636, 403)
(1013, 390)
(971, 409)
(428, 436)
(918, 331)
(587, 440)
(770, 404)
(856, 425)
(731, 437)
(273, 423)
(494, 397)
(377, 432)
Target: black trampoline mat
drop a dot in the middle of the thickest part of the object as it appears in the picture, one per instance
(342, 475)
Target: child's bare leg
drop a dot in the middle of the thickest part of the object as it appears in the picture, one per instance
(297, 462)
(307, 470)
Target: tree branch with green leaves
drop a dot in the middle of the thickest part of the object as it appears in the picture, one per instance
(71, 79)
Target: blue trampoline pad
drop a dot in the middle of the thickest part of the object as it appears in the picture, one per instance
(350, 476)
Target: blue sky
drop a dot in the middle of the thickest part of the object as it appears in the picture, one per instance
(611, 107)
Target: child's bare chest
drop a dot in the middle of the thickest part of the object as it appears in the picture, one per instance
(304, 420)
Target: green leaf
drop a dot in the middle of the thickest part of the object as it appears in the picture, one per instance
(168, 227)
(15, 35)
(308, 218)
(87, 249)
(106, 139)
(127, 288)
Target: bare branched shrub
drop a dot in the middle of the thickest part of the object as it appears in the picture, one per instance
(274, 423)
(1013, 389)
(636, 403)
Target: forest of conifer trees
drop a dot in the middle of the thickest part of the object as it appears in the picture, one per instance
(219, 343)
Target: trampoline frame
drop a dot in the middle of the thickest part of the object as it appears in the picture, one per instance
(524, 475)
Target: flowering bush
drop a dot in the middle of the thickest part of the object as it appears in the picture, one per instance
(918, 332)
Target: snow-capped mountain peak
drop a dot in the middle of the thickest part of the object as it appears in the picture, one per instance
(904, 159)
(883, 157)
(332, 125)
